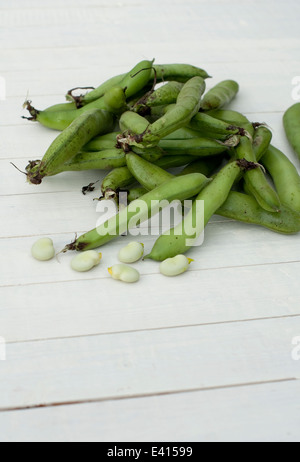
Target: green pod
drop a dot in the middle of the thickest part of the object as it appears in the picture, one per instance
(291, 123)
(234, 118)
(61, 107)
(137, 78)
(132, 82)
(113, 101)
(168, 162)
(174, 161)
(96, 93)
(107, 141)
(285, 177)
(188, 103)
(121, 178)
(194, 147)
(177, 72)
(184, 133)
(204, 122)
(141, 210)
(133, 123)
(69, 143)
(245, 208)
(255, 179)
(220, 95)
(167, 94)
(102, 160)
(180, 239)
(118, 178)
(261, 141)
(205, 166)
(148, 175)
(149, 154)
(135, 191)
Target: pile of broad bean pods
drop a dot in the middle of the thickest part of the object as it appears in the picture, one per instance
(139, 125)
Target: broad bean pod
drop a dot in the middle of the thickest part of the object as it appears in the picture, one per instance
(242, 207)
(68, 144)
(121, 178)
(255, 179)
(113, 102)
(148, 175)
(178, 188)
(102, 160)
(188, 103)
(177, 72)
(285, 177)
(179, 239)
(167, 94)
(291, 123)
(220, 95)
(201, 147)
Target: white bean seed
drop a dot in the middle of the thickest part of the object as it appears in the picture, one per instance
(85, 261)
(175, 266)
(124, 273)
(43, 249)
(131, 253)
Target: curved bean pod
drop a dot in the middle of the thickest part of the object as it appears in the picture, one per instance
(98, 143)
(178, 72)
(261, 141)
(167, 94)
(102, 160)
(178, 188)
(291, 123)
(205, 122)
(148, 175)
(69, 143)
(178, 240)
(233, 117)
(255, 179)
(219, 95)
(245, 208)
(117, 179)
(122, 178)
(113, 101)
(193, 147)
(188, 103)
(285, 176)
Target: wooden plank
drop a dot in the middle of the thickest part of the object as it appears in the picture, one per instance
(62, 21)
(95, 305)
(261, 413)
(148, 362)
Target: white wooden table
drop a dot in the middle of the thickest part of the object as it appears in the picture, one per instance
(208, 356)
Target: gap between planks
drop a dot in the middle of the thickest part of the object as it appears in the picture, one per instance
(146, 395)
(216, 323)
(154, 274)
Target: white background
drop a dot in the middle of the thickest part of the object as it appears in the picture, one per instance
(204, 357)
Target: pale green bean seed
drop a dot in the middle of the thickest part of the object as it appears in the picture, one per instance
(124, 273)
(43, 249)
(131, 253)
(85, 261)
(175, 266)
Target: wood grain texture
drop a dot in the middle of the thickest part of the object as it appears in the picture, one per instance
(205, 357)
(257, 413)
